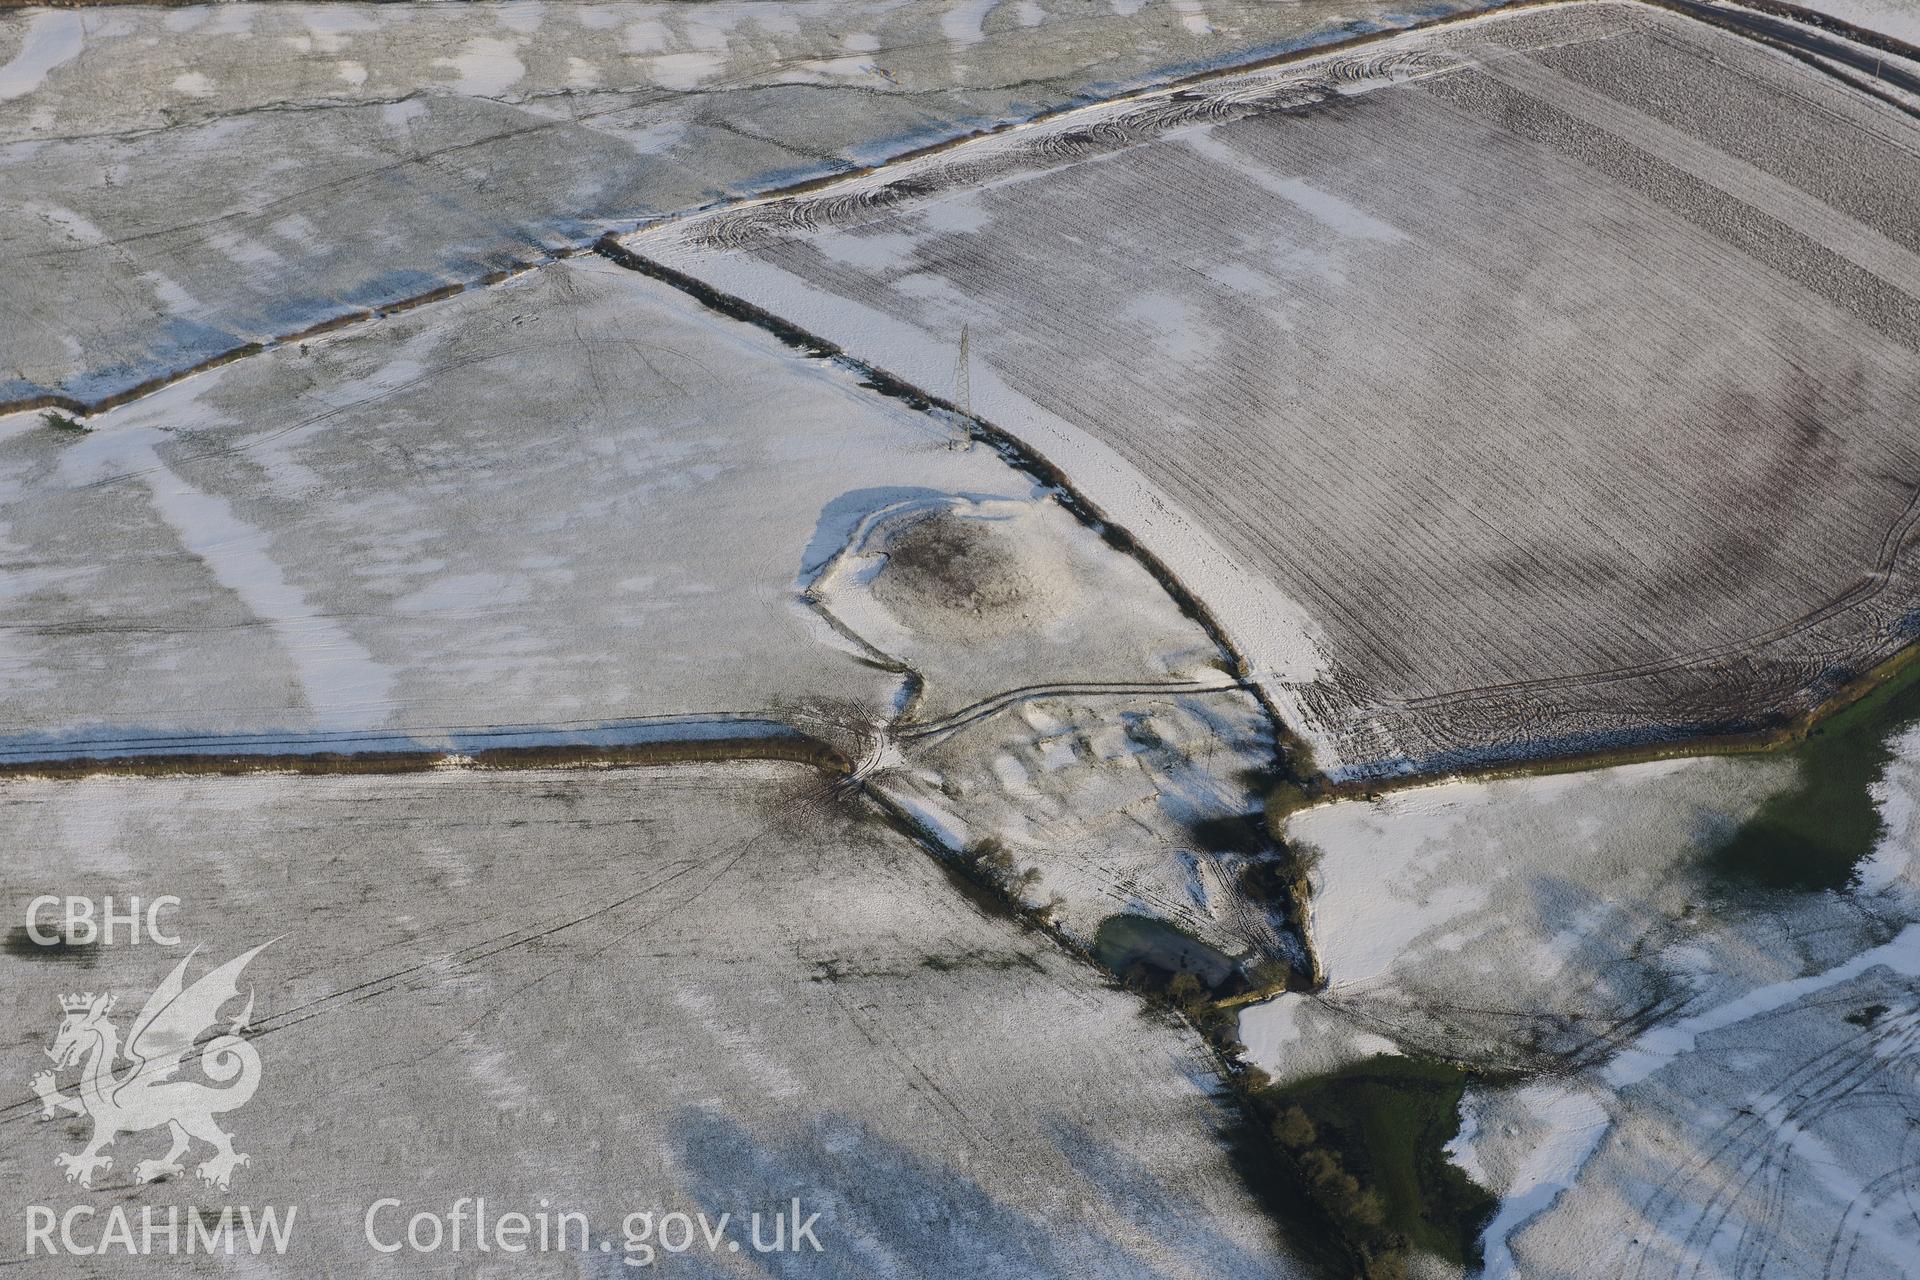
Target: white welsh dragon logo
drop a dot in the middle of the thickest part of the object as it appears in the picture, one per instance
(146, 1096)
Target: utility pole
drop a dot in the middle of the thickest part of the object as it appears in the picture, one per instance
(963, 375)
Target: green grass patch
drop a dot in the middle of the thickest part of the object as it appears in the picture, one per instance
(1814, 834)
(63, 422)
(1369, 1143)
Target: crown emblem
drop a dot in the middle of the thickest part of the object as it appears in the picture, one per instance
(78, 1003)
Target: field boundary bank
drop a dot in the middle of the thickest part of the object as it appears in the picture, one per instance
(1814, 40)
(1759, 741)
(797, 748)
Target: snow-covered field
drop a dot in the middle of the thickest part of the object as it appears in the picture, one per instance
(1424, 365)
(1511, 921)
(568, 502)
(692, 988)
(180, 181)
(1706, 1081)
(1897, 18)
